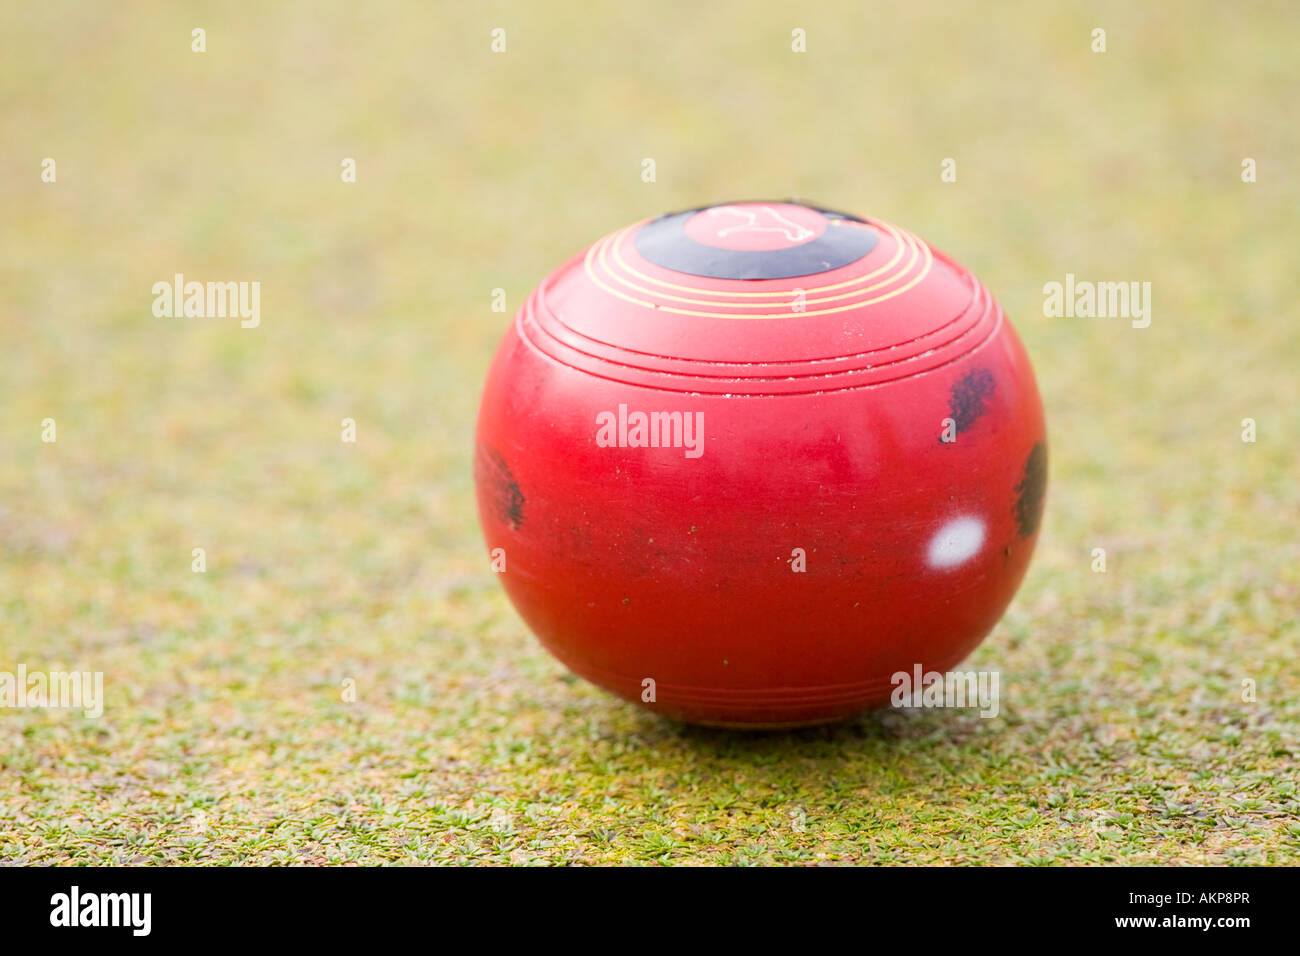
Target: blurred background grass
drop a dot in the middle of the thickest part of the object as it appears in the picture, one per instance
(1123, 738)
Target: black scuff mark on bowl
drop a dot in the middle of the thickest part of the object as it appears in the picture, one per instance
(969, 398)
(506, 496)
(1031, 490)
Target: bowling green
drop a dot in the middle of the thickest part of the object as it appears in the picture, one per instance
(345, 682)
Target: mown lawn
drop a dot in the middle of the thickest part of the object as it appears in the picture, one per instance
(1123, 735)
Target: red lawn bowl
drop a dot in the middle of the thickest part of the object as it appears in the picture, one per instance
(744, 464)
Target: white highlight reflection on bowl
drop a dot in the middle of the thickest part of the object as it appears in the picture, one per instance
(957, 542)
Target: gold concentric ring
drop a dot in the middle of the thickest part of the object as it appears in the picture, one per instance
(616, 240)
(902, 235)
(613, 245)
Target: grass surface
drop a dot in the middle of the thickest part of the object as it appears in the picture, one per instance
(1123, 736)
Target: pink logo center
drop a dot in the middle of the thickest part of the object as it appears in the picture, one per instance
(756, 226)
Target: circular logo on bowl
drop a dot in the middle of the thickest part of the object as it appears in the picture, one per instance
(755, 240)
(755, 226)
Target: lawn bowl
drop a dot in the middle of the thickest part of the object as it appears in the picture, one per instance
(744, 464)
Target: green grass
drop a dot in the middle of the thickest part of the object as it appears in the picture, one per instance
(1123, 736)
